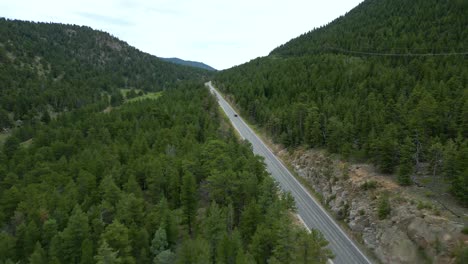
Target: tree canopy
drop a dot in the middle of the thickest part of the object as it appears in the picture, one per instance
(145, 182)
(391, 110)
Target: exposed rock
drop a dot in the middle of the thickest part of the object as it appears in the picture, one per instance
(408, 235)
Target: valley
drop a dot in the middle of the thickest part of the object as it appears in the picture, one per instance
(346, 144)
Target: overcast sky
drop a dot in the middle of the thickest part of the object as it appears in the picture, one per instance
(221, 33)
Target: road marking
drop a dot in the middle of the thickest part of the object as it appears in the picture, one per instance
(303, 223)
(213, 91)
(290, 175)
(307, 192)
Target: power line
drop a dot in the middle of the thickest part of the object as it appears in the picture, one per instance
(400, 54)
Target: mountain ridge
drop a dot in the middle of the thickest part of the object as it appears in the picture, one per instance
(389, 26)
(195, 64)
(57, 67)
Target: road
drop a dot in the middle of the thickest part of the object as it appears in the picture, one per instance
(311, 212)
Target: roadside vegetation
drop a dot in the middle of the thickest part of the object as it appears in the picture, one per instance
(147, 182)
(405, 114)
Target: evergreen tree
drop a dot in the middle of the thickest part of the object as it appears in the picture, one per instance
(86, 251)
(188, 198)
(11, 145)
(311, 248)
(213, 227)
(73, 236)
(165, 257)
(159, 242)
(406, 162)
(107, 255)
(38, 256)
(116, 235)
(7, 246)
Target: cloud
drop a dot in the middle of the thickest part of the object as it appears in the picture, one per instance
(105, 19)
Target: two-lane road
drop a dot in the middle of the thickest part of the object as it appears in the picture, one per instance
(313, 215)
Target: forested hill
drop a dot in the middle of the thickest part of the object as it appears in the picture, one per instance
(47, 65)
(389, 26)
(195, 64)
(406, 114)
(160, 181)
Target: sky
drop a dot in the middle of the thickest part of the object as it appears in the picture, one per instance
(220, 33)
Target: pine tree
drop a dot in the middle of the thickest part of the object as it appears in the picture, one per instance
(311, 247)
(38, 256)
(262, 244)
(159, 242)
(7, 246)
(107, 255)
(406, 162)
(49, 230)
(164, 257)
(86, 251)
(251, 217)
(284, 248)
(73, 236)
(188, 198)
(11, 145)
(195, 251)
(116, 235)
(213, 227)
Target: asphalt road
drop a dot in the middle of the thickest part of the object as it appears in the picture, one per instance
(311, 212)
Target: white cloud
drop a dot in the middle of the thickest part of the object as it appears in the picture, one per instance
(219, 33)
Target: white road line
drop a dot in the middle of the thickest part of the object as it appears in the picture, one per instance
(307, 192)
(303, 223)
(294, 178)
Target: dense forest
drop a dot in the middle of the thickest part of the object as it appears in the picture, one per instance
(48, 67)
(404, 112)
(94, 171)
(155, 181)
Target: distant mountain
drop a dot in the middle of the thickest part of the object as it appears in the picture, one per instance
(49, 65)
(195, 64)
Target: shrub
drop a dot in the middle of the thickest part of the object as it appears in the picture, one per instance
(384, 208)
(465, 230)
(369, 185)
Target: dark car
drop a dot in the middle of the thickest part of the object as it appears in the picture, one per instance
(235, 115)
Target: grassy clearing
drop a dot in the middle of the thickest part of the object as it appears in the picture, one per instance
(125, 91)
(149, 96)
(27, 143)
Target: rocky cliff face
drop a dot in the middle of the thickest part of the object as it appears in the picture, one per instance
(413, 231)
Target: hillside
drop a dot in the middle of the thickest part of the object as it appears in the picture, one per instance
(122, 175)
(55, 67)
(162, 181)
(406, 114)
(195, 64)
(388, 26)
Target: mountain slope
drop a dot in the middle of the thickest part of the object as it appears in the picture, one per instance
(406, 114)
(391, 26)
(60, 66)
(195, 64)
(150, 181)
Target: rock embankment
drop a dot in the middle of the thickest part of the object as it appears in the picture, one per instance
(411, 231)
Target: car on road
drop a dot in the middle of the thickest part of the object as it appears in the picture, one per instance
(235, 115)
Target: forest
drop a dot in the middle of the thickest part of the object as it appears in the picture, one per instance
(50, 68)
(405, 113)
(154, 181)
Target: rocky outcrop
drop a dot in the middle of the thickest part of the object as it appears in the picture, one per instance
(413, 232)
